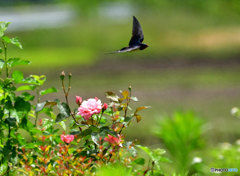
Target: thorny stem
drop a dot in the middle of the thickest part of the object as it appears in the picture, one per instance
(66, 97)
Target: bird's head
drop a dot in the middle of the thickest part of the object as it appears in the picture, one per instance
(144, 46)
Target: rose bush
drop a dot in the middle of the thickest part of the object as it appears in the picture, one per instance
(95, 140)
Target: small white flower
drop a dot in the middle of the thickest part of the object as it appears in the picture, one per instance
(196, 160)
(234, 111)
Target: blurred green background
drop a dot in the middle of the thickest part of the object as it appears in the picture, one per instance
(192, 62)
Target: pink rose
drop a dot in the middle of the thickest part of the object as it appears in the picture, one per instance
(113, 140)
(78, 100)
(90, 107)
(67, 138)
(105, 106)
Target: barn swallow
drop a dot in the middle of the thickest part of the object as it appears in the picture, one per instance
(136, 40)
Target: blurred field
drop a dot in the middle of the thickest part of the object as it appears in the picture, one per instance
(192, 64)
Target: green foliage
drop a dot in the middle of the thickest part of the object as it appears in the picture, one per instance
(16, 110)
(181, 134)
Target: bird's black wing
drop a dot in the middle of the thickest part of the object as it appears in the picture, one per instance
(137, 33)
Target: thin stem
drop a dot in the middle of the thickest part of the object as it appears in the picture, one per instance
(5, 57)
(38, 101)
(66, 97)
(100, 118)
(125, 115)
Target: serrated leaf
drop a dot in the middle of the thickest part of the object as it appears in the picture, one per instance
(17, 76)
(26, 87)
(2, 62)
(112, 96)
(140, 161)
(16, 42)
(141, 108)
(49, 90)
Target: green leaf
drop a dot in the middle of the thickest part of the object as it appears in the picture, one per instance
(2, 62)
(17, 76)
(21, 105)
(145, 149)
(140, 161)
(6, 39)
(108, 131)
(3, 27)
(85, 133)
(165, 159)
(17, 61)
(133, 151)
(16, 42)
(27, 97)
(40, 106)
(4, 166)
(47, 91)
(26, 87)
(47, 123)
(64, 111)
(134, 98)
(112, 96)
(11, 121)
(1, 50)
(30, 146)
(95, 137)
(128, 119)
(14, 113)
(62, 123)
(60, 117)
(74, 125)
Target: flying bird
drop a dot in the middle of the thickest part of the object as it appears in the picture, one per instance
(136, 40)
